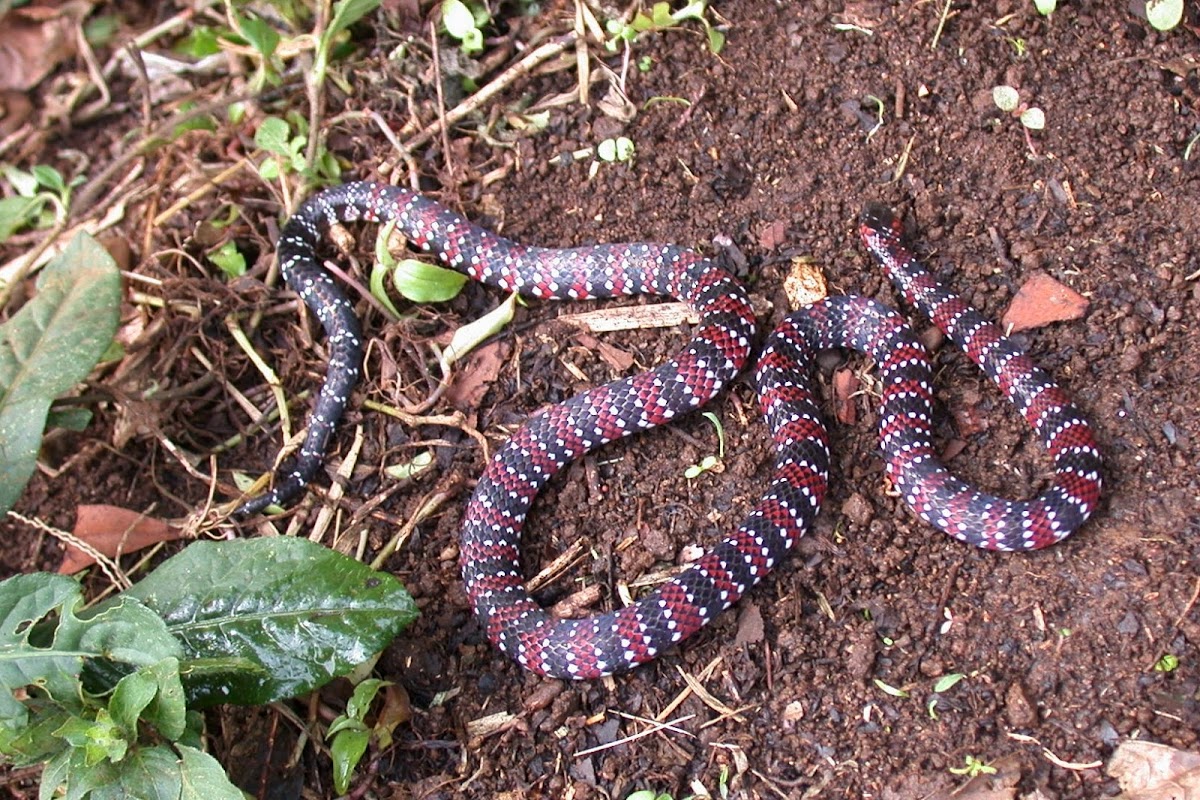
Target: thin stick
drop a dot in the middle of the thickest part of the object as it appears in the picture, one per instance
(941, 24)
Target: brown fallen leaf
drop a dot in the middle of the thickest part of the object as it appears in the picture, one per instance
(113, 531)
(472, 379)
(749, 625)
(620, 360)
(35, 40)
(1042, 300)
(1149, 771)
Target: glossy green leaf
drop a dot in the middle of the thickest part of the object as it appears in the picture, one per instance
(347, 750)
(301, 612)
(426, 283)
(49, 346)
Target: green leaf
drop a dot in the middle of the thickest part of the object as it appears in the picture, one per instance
(123, 630)
(300, 612)
(30, 654)
(379, 273)
(471, 335)
(1033, 118)
(25, 183)
(716, 40)
(17, 213)
(1168, 663)
(149, 773)
(50, 178)
(101, 739)
(1045, 7)
(200, 41)
(261, 36)
(1006, 98)
(457, 19)
(426, 283)
(947, 682)
(33, 742)
(203, 778)
(1164, 14)
(153, 694)
(228, 259)
(348, 12)
(347, 750)
(50, 345)
(889, 689)
(272, 136)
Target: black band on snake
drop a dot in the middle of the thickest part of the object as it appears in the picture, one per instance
(620, 640)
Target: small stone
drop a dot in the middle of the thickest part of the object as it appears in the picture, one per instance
(1019, 709)
(858, 509)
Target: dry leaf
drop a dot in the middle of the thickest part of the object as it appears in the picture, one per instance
(113, 531)
(1149, 771)
(35, 40)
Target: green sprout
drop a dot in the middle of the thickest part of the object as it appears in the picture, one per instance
(42, 198)
(1045, 7)
(618, 150)
(463, 22)
(351, 734)
(1167, 663)
(973, 768)
(662, 18)
(1032, 118)
(709, 461)
(286, 142)
(1164, 15)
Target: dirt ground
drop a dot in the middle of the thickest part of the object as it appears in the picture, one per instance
(771, 157)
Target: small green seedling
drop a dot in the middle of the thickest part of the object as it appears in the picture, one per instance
(662, 18)
(1164, 15)
(1032, 118)
(1168, 663)
(1045, 7)
(973, 768)
(286, 143)
(228, 259)
(648, 794)
(888, 689)
(351, 734)
(619, 150)
(464, 21)
(709, 462)
(42, 198)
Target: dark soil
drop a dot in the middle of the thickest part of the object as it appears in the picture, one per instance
(774, 157)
